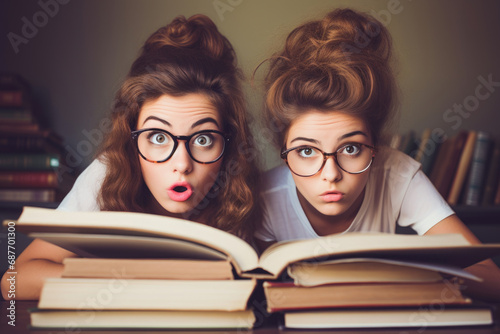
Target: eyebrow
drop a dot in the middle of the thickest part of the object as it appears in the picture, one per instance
(351, 134)
(205, 120)
(195, 124)
(156, 119)
(344, 136)
(311, 140)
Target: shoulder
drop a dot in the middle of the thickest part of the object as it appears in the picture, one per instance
(95, 171)
(83, 194)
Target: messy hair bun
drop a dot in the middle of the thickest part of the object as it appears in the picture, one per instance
(189, 55)
(197, 32)
(339, 63)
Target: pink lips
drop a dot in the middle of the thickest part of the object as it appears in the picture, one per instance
(180, 191)
(332, 196)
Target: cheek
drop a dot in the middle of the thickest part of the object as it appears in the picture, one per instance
(150, 173)
(357, 182)
(206, 175)
(305, 185)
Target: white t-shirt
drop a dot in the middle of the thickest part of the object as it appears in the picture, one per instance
(83, 195)
(397, 192)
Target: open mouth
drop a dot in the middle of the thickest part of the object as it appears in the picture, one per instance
(180, 191)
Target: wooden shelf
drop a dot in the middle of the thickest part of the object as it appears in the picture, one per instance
(478, 215)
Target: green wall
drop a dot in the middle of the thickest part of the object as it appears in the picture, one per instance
(81, 50)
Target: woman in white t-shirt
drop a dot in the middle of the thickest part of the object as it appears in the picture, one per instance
(330, 95)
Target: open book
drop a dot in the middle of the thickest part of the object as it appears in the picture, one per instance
(129, 235)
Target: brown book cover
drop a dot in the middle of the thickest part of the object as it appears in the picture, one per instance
(182, 269)
(462, 168)
(282, 296)
(447, 163)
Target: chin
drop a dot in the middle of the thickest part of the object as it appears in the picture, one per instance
(177, 208)
(331, 209)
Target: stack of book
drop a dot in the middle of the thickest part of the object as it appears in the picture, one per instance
(31, 158)
(127, 269)
(371, 292)
(145, 293)
(465, 168)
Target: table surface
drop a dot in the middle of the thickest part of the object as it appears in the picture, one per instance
(22, 322)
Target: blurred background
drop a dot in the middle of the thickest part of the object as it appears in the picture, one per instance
(76, 53)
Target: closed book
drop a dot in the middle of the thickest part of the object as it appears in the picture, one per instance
(462, 168)
(492, 177)
(426, 135)
(409, 144)
(477, 171)
(145, 294)
(28, 195)
(16, 115)
(28, 179)
(446, 167)
(42, 141)
(439, 166)
(11, 98)
(137, 319)
(496, 200)
(182, 269)
(415, 317)
(29, 161)
(284, 296)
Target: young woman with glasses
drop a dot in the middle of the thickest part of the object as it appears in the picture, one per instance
(179, 146)
(330, 93)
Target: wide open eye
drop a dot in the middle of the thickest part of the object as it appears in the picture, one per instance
(350, 150)
(306, 152)
(158, 138)
(203, 140)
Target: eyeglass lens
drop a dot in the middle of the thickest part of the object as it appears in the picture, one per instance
(157, 145)
(307, 160)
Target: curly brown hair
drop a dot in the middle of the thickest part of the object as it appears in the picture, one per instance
(342, 62)
(183, 57)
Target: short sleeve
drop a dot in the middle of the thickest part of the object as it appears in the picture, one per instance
(422, 205)
(83, 195)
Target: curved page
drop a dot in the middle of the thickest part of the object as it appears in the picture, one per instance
(36, 220)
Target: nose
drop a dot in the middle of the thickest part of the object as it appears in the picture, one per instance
(181, 162)
(331, 171)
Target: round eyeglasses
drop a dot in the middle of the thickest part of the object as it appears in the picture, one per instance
(157, 145)
(353, 158)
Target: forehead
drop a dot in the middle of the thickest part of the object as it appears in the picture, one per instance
(325, 125)
(179, 111)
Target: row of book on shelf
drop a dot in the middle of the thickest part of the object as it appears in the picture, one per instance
(464, 167)
(32, 157)
(139, 270)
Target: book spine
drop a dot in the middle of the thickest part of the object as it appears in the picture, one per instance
(496, 201)
(29, 161)
(492, 177)
(28, 179)
(477, 170)
(27, 195)
(11, 98)
(15, 115)
(462, 169)
(421, 147)
(13, 144)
